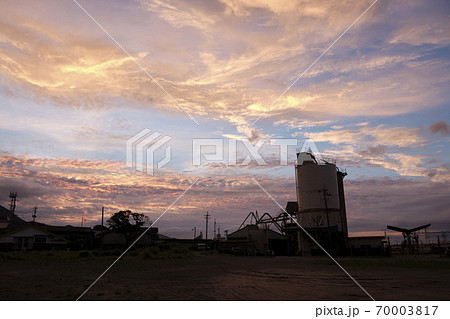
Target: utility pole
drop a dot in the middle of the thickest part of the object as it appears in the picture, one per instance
(12, 203)
(102, 230)
(195, 236)
(439, 245)
(82, 220)
(325, 195)
(215, 228)
(207, 218)
(34, 213)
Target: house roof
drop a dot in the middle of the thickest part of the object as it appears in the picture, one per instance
(67, 228)
(164, 237)
(30, 225)
(366, 237)
(13, 219)
(244, 233)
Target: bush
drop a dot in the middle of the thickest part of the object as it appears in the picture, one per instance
(166, 251)
(83, 254)
(164, 247)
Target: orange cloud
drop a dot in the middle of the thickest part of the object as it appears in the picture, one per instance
(229, 70)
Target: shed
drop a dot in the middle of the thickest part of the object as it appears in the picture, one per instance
(252, 240)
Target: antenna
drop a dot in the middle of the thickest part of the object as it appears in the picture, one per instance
(82, 220)
(215, 228)
(12, 203)
(34, 213)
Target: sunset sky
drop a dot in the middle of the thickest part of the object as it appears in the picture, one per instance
(378, 102)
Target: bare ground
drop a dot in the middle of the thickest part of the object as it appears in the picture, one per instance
(64, 276)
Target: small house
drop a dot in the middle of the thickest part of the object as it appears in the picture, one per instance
(31, 237)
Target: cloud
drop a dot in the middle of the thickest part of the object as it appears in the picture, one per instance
(405, 202)
(379, 136)
(66, 189)
(182, 14)
(226, 60)
(440, 127)
(418, 29)
(74, 94)
(362, 145)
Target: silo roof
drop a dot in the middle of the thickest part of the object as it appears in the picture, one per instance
(305, 157)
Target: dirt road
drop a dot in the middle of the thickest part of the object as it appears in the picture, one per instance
(222, 277)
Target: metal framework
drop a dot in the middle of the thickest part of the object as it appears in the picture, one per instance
(266, 219)
(408, 233)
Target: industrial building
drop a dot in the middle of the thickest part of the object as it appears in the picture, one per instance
(322, 212)
(318, 219)
(321, 205)
(252, 240)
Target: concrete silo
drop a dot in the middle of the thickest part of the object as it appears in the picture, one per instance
(321, 202)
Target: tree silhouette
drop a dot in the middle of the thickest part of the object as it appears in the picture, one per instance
(99, 227)
(127, 223)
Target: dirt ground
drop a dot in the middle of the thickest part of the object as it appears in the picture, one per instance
(206, 276)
